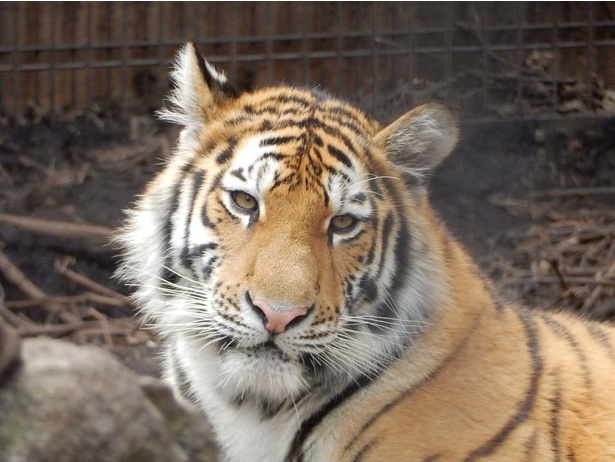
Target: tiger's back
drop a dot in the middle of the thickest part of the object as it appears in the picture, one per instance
(315, 308)
(515, 386)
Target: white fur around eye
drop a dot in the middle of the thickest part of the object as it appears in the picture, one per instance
(348, 198)
(244, 215)
(339, 236)
(251, 170)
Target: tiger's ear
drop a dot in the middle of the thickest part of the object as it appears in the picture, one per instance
(419, 140)
(198, 89)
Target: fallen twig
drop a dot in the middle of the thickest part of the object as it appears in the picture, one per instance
(105, 330)
(587, 232)
(61, 268)
(597, 291)
(556, 280)
(60, 229)
(571, 261)
(16, 277)
(568, 192)
(87, 297)
(61, 330)
(13, 319)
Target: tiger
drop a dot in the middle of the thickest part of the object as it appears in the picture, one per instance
(315, 308)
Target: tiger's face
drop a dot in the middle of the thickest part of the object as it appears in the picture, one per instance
(283, 232)
(283, 242)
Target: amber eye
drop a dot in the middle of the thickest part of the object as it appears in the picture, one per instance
(343, 222)
(244, 200)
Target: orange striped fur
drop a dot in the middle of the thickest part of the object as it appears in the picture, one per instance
(316, 309)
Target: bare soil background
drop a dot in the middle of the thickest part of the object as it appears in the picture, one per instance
(533, 201)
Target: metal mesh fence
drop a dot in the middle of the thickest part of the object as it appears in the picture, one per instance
(485, 60)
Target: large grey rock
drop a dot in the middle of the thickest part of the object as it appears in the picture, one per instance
(68, 403)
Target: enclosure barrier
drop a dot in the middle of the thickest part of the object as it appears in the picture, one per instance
(485, 60)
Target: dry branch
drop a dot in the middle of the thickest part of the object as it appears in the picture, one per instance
(597, 292)
(70, 314)
(61, 268)
(60, 229)
(16, 277)
(13, 319)
(61, 330)
(569, 192)
(568, 259)
(557, 280)
(80, 299)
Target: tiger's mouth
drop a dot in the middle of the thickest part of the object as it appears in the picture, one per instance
(267, 348)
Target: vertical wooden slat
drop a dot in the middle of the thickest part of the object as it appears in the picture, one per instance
(17, 90)
(73, 54)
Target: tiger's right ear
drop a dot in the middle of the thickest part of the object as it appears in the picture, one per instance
(198, 89)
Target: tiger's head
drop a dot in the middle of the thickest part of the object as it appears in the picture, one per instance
(285, 244)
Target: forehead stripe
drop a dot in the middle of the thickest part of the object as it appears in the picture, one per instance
(345, 116)
(336, 133)
(290, 99)
(312, 123)
(339, 155)
(224, 155)
(270, 155)
(276, 141)
(343, 123)
(238, 173)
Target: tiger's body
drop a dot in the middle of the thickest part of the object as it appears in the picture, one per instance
(316, 309)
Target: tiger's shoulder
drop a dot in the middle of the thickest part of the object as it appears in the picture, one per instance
(487, 380)
(315, 308)
(507, 384)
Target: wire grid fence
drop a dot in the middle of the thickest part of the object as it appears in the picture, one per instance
(483, 59)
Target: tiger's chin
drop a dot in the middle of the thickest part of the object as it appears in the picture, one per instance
(264, 373)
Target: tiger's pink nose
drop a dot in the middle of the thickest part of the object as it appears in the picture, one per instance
(276, 321)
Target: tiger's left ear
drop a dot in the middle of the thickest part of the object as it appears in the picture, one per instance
(419, 140)
(198, 89)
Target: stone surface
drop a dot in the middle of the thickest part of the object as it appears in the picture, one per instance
(68, 403)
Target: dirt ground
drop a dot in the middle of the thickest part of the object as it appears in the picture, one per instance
(533, 201)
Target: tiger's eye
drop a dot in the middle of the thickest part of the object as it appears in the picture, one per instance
(244, 200)
(343, 222)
